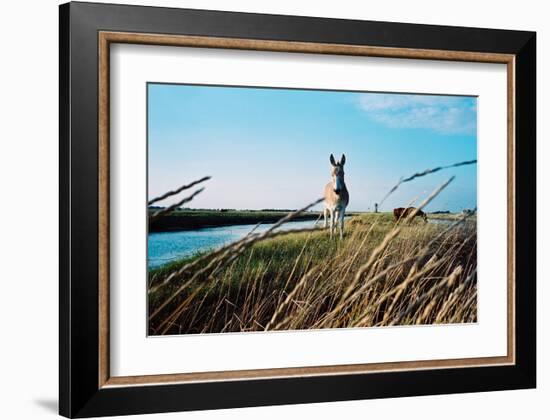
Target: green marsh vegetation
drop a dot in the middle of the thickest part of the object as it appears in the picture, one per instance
(380, 274)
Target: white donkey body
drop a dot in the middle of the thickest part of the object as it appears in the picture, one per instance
(336, 196)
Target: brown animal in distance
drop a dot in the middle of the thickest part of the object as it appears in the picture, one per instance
(402, 213)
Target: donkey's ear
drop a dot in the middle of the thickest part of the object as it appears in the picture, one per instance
(343, 160)
(332, 161)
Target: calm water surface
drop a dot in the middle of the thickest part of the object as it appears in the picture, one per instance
(164, 247)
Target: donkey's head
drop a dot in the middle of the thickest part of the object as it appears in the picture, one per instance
(337, 172)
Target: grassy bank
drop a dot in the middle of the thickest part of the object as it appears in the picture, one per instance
(196, 219)
(378, 275)
(451, 216)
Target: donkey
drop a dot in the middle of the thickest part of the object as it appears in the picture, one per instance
(402, 213)
(336, 196)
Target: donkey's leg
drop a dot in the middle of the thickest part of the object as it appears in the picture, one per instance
(341, 214)
(331, 222)
(336, 218)
(326, 218)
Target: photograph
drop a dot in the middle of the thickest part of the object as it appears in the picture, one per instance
(261, 208)
(273, 209)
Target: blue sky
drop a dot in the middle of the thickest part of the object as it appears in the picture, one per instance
(269, 148)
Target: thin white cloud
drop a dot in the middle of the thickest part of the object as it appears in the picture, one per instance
(442, 114)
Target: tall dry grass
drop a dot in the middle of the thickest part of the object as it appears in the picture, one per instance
(380, 274)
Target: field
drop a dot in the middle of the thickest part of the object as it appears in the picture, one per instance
(380, 274)
(451, 216)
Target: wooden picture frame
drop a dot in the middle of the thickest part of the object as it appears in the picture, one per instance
(86, 32)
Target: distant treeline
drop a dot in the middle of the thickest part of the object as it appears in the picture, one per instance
(223, 210)
(187, 219)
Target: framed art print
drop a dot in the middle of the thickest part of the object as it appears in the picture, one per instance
(260, 209)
